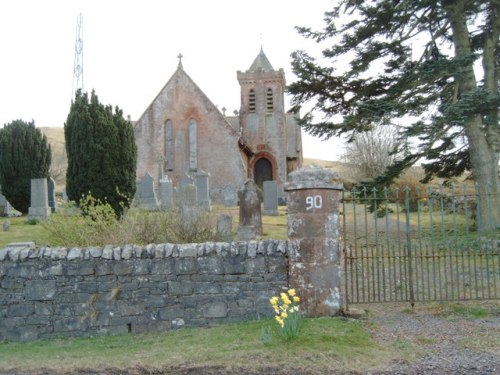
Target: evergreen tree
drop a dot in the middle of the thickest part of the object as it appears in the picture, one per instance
(430, 66)
(101, 153)
(24, 154)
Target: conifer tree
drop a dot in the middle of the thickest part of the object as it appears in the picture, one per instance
(24, 154)
(431, 67)
(101, 153)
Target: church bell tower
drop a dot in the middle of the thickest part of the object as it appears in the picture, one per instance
(263, 120)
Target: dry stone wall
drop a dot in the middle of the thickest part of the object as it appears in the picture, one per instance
(47, 292)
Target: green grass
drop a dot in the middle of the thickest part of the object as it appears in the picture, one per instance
(324, 343)
(22, 231)
(455, 310)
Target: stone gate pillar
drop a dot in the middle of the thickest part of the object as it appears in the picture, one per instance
(313, 198)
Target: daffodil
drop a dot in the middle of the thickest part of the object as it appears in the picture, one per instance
(296, 299)
(291, 292)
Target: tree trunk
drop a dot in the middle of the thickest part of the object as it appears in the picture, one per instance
(483, 153)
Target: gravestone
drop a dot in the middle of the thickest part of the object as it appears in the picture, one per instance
(202, 191)
(224, 228)
(270, 198)
(51, 186)
(147, 194)
(186, 196)
(314, 233)
(3, 204)
(230, 197)
(250, 210)
(39, 199)
(166, 193)
(6, 226)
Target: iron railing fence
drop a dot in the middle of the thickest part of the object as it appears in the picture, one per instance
(419, 245)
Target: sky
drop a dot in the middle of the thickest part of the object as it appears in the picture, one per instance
(130, 51)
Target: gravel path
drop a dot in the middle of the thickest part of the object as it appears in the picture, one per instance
(452, 345)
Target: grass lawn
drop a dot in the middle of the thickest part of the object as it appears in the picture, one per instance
(324, 343)
(21, 231)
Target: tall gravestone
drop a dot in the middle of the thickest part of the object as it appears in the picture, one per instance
(202, 190)
(166, 193)
(224, 228)
(250, 224)
(270, 198)
(147, 195)
(314, 236)
(3, 204)
(39, 199)
(51, 186)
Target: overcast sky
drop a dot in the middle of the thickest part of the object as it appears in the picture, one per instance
(130, 51)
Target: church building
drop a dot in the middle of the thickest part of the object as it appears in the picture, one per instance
(183, 133)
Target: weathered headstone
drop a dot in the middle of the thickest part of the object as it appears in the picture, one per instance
(315, 263)
(39, 199)
(51, 186)
(270, 198)
(230, 197)
(6, 226)
(224, 228)
(186, 196)
(202, 191)
(250, 209)
(147, 194)
(166, 193)
(3, 204)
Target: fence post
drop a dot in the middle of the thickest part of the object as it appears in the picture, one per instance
(314, 233)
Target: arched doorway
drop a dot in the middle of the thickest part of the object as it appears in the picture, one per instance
(263, 171)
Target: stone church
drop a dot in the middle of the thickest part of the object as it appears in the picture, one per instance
(183, 133)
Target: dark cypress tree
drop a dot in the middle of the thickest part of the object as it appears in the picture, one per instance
(101, 153)
(24, 154)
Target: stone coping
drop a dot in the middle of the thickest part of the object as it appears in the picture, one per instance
(16, 253)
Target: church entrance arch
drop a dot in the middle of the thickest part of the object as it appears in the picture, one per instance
(263, 171)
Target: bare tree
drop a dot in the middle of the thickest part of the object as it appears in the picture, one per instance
(370, 153)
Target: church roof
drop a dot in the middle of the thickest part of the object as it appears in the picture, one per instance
(261, 63)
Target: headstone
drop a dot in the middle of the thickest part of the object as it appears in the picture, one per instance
(186, 180)
(230, 197)
(51, 186)
(39, 199)
(6, 226)
(147, 195)
(250, 210)
(270, 198)
(224, 228)
(187, 196)
(202, 191)
(166, 193)
(65, 196)
(314, 225)
(3, 204)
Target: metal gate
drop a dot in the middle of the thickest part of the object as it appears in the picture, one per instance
(415, 246)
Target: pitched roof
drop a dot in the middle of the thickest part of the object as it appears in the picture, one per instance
(261, 63)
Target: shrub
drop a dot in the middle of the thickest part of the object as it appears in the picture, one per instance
(93, 223)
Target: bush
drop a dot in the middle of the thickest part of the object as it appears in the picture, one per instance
(93, 223)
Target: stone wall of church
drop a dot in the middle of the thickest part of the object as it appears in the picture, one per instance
(210, 146)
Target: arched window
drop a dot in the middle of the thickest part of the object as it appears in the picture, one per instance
(193, 146)
(269, 100)
(169, 146)
(251, 101)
